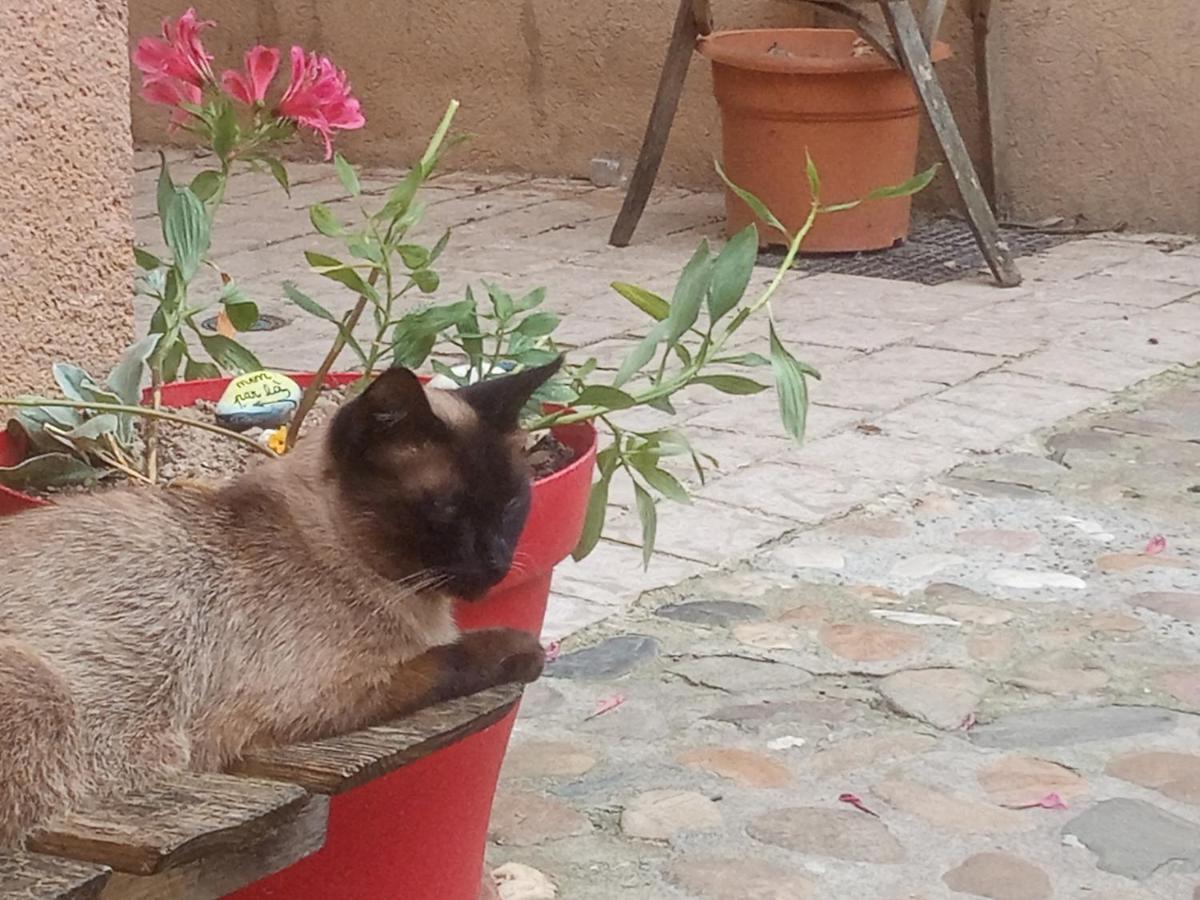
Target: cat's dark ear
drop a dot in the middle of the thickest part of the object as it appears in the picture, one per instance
(499, 401)
(393, 407)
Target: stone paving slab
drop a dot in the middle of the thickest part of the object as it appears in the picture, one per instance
(917, 379)
(945, 693)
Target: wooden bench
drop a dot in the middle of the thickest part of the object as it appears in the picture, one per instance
(201, 836)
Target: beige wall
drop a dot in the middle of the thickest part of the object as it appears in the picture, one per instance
(548, 84)
(64, 187)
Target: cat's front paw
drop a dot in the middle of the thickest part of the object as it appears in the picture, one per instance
(505, 655)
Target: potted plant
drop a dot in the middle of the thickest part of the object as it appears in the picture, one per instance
(419, 832)
(785, 93)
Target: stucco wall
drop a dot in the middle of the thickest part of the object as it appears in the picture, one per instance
(548, 84)
(64, 187)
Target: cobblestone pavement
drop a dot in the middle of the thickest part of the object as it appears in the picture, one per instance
(987, 685)
(936, 652)
(916, 379)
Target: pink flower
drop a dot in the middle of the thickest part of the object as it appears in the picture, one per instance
(318, 97)
(177, 54)
(166, 90)
(261, 65)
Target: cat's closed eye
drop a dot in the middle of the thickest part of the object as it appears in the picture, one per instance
(443, 510)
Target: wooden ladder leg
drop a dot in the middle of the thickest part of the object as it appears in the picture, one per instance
(662, 115)
(915, 56)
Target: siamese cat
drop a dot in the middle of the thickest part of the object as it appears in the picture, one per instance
(146, 631)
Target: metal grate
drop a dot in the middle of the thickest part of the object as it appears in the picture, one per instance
(937, 251)
(264, 322)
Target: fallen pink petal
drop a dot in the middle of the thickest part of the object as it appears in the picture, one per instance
(608, 704)
(1051, 801)
(856, 801)
(1155, 545)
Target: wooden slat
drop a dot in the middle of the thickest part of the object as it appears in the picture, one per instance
(981, 13)
(337, 764)
(31, 876)
(222, 873)
(931, 20)
(658, 129)
(915, 56)
(173, 822)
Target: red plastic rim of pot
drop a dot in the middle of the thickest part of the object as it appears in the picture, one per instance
(825, 51)
(555, 518)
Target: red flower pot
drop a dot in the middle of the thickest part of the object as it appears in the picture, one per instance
(419, 833)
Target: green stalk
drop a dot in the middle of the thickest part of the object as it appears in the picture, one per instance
(144, 411)
(665, 389)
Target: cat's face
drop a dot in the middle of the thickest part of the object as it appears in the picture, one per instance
(437, 480)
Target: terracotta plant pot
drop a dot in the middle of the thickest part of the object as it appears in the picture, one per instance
(420, 832)
(784, 91)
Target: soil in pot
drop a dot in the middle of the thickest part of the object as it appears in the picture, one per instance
(193, 454)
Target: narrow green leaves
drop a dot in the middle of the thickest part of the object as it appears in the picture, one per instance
(790, 387)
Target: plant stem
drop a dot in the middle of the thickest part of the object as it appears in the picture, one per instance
(665, 389)
(309, 398)
(147, 412)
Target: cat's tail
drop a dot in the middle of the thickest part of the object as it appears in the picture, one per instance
(39, 743)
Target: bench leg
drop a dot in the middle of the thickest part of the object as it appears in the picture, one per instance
(915, 57)
(662, 115)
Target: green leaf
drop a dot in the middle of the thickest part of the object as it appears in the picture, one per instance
(225, 130)
(347, 175)
(437, 249)
(604, 396)
(535, 357)
(914, 185)
(538, 324)
(649, 519)
(279, 172)
(241, 310)
(661, 480)
(49, 470)
(593, 521)
(814, 177)
(647, 301)
(401, 196)
(731, 272)
(640, 354)
(307, 303)
(172, 358)
(689, 292)
(756, 206)
(790, 387)
(336, 270)
(187, 232)
(366, 247)
(165, 190)
(730, 384)
(502, 301)
(662, 404)
(146, 260)
(744, 359)
(206, 184)
(229, 354)
(532, 300)
(414, 255)
(324, 220)
(195, 370)
(411, 350)
(71, 380)
(427, 280)
(125, 380)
